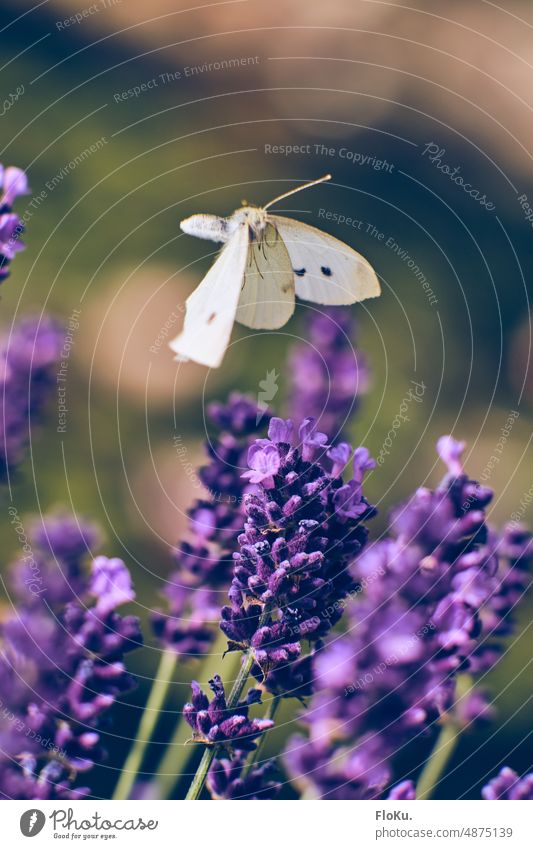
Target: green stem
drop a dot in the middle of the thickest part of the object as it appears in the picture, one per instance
(441, 754)
(270, 713)
(198, 781)
(147, 725)
(444, 747)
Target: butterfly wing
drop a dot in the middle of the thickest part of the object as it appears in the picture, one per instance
(267, 297)
(210, 310)
(327, 271)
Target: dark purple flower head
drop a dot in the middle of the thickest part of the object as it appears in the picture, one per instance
(508, 785)
(110, 584)
(214, 723)
(303, 526)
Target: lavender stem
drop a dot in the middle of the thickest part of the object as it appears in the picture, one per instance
(441, 754)
(270, 713)
(444, 746)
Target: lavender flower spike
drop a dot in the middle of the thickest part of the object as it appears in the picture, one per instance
(328, 374)
(303, 526)
(26, 375)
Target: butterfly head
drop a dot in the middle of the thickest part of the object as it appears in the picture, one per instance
(253, 216)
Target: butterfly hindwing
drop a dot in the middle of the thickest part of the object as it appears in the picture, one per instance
(267, 297)
(327, 271)
(210, 310)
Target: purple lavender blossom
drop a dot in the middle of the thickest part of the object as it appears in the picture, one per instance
(303, 526)
(111, 585)
(302, 529)
(509, 785)
(264, 462)
(54, 567)
(433, 591)
(328, 375)
(26, 375)
(62, 663)
(213, 723)
(13, 183)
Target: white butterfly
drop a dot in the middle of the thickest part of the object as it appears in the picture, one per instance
(265, 261)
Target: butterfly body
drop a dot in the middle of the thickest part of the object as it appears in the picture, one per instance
(219, 229)
(265, 261)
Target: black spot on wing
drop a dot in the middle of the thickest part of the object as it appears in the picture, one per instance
(326, 271)
(299, 271)
(211, 318)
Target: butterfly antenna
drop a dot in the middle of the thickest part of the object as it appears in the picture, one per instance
(323, 179)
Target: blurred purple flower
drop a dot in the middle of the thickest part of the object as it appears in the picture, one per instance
(13, 183)
(328, 374)
(204, 561)
(432, 591)
(508, 785)
(110, 584)
(229, 779)
(62, 663)
(27, 363)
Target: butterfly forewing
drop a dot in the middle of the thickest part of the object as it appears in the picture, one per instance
(211, 308)
(327, 271)
(267, 296)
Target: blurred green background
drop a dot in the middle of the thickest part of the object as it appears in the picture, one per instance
(122, 138)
